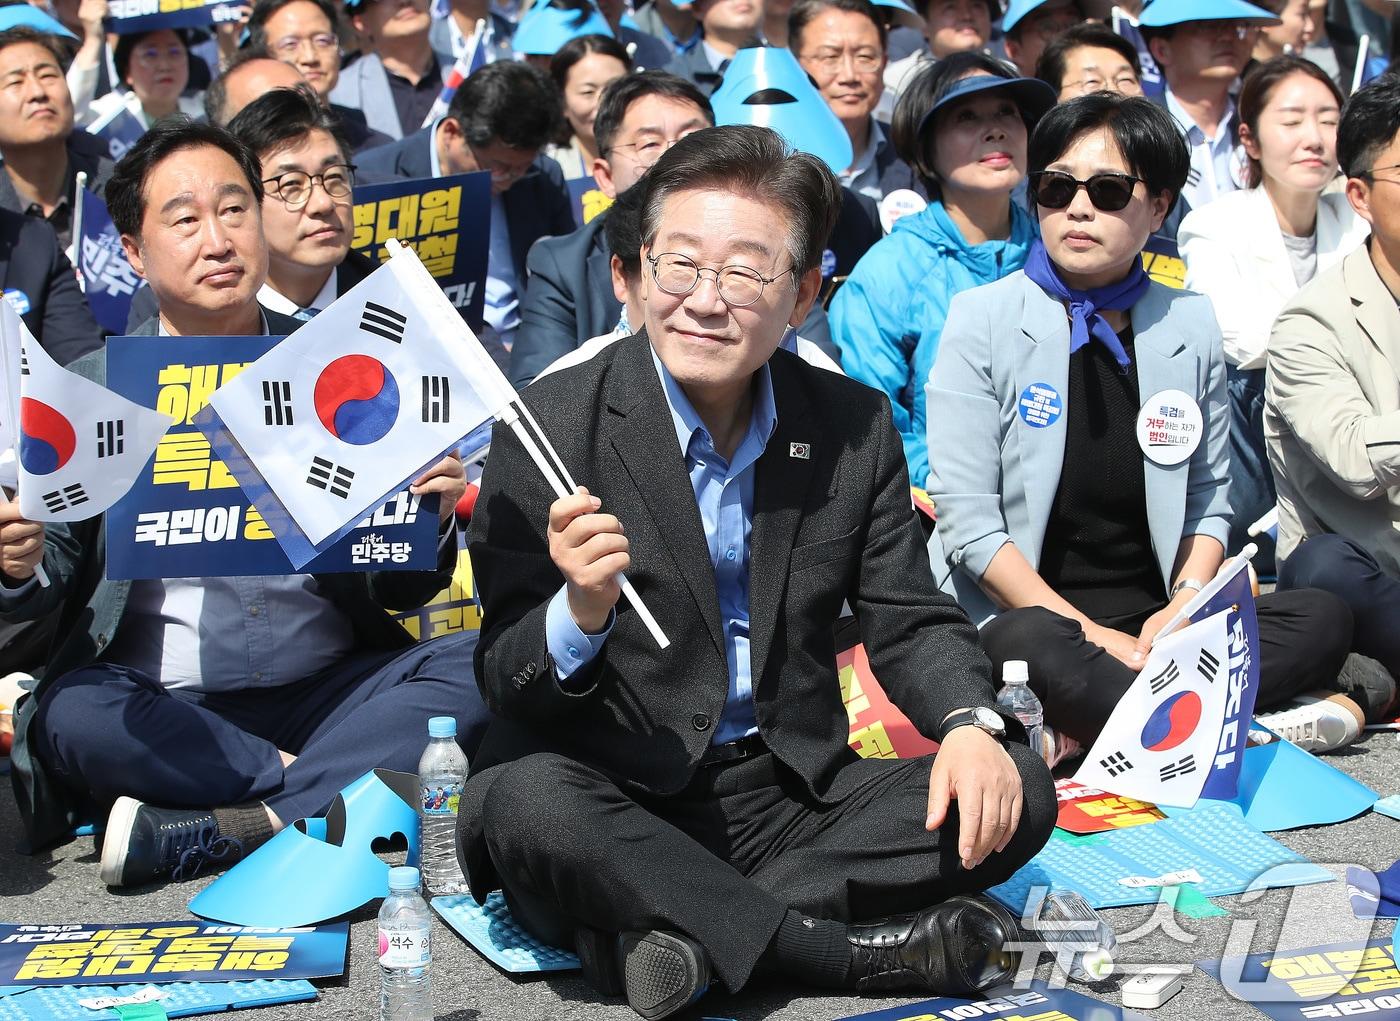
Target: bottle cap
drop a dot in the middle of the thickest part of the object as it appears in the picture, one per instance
(404, 877)
(442, 726)
(1015, 671)
(1098, 964)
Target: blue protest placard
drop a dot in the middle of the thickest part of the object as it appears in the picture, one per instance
(120, 130)
(185, 951)
(187, 516)
(1242, 638)
(587, 198)
(446, 220)
(1039, 1002)
(1332, 980)
(108, 279)
(127, 16)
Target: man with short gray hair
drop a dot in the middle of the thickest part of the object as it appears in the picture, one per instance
(681, 812)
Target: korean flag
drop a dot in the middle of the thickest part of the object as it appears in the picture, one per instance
(80, 446)
(353, 405)
(1160, 743)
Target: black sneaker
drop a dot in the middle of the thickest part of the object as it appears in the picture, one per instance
(144, 843)
(953, 949)
(1369, 685)
(660, 973)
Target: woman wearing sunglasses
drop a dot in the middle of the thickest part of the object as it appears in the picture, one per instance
(962, 126)
(1066, 510)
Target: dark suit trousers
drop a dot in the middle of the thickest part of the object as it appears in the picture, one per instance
(1342, 567)
(725, 859)
(107, 730)
(1304, 638)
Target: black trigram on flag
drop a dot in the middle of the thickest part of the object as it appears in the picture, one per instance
(62, 499)
(1182, 766)
(1115, 764)
(1207, 665)
(331, 477)
(1165, 679)
(383, 322)
(437, 399)
(23, 362)
(111, 438)
(277, 402)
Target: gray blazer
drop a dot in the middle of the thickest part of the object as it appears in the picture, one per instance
(994, 478)
(364, 86)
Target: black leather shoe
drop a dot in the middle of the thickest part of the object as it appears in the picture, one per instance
(953, 949)
(660, 973)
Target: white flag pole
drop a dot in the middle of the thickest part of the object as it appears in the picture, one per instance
(1230, 568)
(510, 413)
(11, 384)
(76, 248)
(1363, 51)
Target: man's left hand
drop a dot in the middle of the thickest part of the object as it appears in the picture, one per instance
(973, 767)
(447, 479)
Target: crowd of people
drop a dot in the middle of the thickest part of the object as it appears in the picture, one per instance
(750, 357)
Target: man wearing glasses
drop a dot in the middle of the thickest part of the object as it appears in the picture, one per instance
(307, 207)
(1332, 397)
(693, 814)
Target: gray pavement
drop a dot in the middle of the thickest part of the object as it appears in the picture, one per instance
(62, 886)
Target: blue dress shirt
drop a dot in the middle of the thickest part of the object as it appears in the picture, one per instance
(724, 495)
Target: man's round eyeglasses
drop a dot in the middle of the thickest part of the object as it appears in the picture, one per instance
(295, 186)
(864, 61)
(290, 45)
(738, 286)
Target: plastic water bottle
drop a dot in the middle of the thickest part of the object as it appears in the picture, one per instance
(1067, 925)
(442, 772)
(1017, 698)
(405, 951)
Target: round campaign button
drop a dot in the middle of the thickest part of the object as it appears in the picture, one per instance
(828, 263)
(19, 301)
(1169, 427)
(900, 202)
(1040, 405)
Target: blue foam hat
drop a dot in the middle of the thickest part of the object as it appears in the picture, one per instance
(898, 5)
(546, 28)
(1165, 13)
(766, 86)
(1033, 96)
(318, 869)
(25, 15)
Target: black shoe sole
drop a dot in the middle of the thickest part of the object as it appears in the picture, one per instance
(662, 973)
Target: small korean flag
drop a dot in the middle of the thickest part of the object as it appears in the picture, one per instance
(80, 446)
(353, 405)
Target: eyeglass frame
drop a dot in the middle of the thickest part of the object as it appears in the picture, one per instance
(1103, 84)
(666, 144)
(297, 42)
(763, 280)
(1372, 173)
(314, 179)
(831, 62)
(1034, 188)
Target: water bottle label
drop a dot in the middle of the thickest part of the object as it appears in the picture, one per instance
(405, 948)
(441, 798)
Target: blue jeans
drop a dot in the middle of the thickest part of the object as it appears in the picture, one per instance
(1252, 491)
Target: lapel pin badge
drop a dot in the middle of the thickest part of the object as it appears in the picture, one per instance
(801, 451)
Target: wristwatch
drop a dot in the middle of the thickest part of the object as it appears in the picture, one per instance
(981, 718)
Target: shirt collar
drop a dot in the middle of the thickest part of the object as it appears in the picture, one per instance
(713, 56)
(269, 297)
(1192, 129)
(866, 158)
(687, 420)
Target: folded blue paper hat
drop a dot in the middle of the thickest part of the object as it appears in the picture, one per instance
(1032, 95)
(1018, 9)
(25, 15)
(1165, 13)
(545, 29)
(318, 869)
(766, 86)
(898, 5)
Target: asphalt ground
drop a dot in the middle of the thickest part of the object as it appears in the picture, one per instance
(62, 886)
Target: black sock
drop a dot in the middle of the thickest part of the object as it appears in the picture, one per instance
(814, 950)
(248, 824)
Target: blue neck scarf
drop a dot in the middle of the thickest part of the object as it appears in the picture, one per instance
(1084, 305)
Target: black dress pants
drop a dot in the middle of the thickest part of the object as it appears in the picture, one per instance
(724, 860)
(1304, 638)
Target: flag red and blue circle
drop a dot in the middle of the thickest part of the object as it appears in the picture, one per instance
(1172, 722)
(357, 399)
(47, 439)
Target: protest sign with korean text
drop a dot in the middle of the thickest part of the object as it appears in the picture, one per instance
(1038, 1003)
(108, 279)
(1336, 980)
(125, 17)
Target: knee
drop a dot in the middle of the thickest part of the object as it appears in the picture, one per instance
(1039, 806)
(78, 709)
(1327, 562)
(1021, 633)
(530, 803)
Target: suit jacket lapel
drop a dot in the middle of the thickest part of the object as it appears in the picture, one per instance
(779, 496)
(1375, 306)
(644, 439)
(1042, 359)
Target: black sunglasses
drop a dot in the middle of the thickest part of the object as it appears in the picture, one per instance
(1055, 189)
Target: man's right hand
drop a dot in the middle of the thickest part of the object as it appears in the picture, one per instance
(590, 551)
(21, 543)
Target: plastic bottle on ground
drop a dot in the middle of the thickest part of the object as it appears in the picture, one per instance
(405, 951)
(1067, 925)
(1017, 698)
(442, 773)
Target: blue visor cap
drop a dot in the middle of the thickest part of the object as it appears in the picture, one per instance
(1032, 95)
(544, 30)
(766, 86)
(25, 15)
(898, 5)
(1018, 9)
(1166, 13)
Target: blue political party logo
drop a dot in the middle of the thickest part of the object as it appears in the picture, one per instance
(1172, 722)
(357, 399)
(19, 301)
(46, 438)
(1040, 405)
(828, 263)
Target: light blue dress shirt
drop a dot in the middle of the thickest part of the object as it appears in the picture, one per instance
(724, 494)
(1212, 159)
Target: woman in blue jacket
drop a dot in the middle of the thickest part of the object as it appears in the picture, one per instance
(962, 125)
